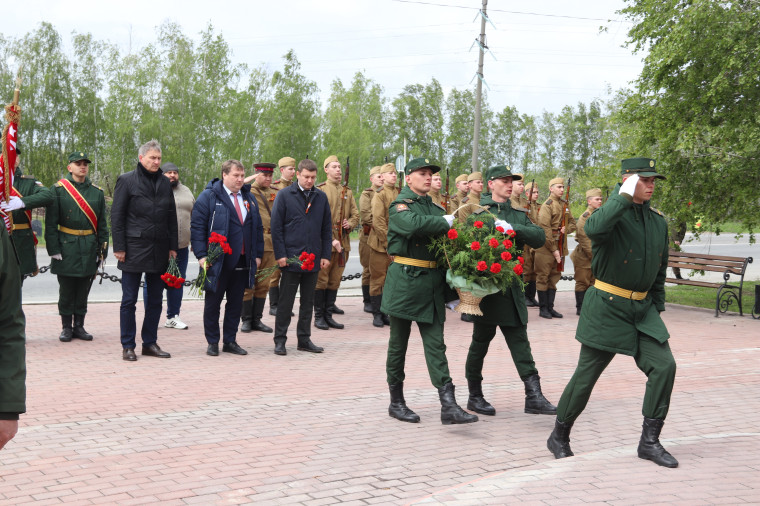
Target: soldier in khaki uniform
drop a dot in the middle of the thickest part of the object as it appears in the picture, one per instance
(287, 167)
(436, 194)
(345, 216)
(463, 187)
(548, 257)
(581, 255)
(471, 202)
(255, 298)
(529, 254)
(365, 218)
(378, 242)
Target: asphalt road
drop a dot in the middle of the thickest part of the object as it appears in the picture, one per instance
(44, 287)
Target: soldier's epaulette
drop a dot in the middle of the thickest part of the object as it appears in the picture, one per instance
(548, 202)
(26, 176)
(521, 209)
(58, 183)
(321, 184)
(439, 205)
(98, 187)
(586, 214)
(408, 201)
(465, 199)
(656, 211)
(368, 189)
(276, 182)
(481, 210)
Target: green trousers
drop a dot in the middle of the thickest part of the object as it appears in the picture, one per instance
(517, 341)
(653, 358)
(72, 295)
(12, 332)
(432, 342)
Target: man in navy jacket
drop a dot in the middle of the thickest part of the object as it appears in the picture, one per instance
(227, 208)
(300, 223)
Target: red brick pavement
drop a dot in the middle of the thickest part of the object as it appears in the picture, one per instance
(314, 429)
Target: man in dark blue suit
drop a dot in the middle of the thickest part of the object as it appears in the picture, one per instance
(227, 208)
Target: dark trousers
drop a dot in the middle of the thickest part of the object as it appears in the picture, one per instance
(130, 287)
(72, 295)
(173, 295)
(232, 283)
(290, 282)
(432, 344)
(653, 358)
(517, 341)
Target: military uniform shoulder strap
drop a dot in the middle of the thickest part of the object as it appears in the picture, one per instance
(98, 187)
(408, 201)
(481, 210)
(321, 184)
(439, 205)
(657, 211)
(521, 209)
(465, 199)
(586, 214)
(548, 202)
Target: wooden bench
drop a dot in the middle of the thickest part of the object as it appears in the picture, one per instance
(729, 266)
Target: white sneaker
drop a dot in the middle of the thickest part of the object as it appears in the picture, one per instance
(175, 323)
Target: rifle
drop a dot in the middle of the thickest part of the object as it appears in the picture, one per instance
(560, 242)
(530, 199)
(342, 259)
(446, 195)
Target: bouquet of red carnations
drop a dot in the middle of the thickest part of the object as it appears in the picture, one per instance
(305, 260)
(172, 276)
(217, 247)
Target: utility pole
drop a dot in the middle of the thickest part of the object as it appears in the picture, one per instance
(479, 92)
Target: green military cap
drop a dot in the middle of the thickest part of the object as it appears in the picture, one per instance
(78, 155)
(501, 171)
(420, 163)
(644, 167)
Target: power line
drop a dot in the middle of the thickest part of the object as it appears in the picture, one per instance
(522, 13)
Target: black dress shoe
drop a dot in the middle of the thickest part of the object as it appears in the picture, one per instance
(212, 350)
(152, 350)
(309, 346)
(129, 354)
(279, 349)
(233, 347)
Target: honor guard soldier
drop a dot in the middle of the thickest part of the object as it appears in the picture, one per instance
(76, 235)
(581, 255)
(507, 309)
(365, 219)
(415, 292)
(529, 254)
(471, 202)
(378, 242)
(345, 216)
(548, 257)
(287, 167)
(26, 194)
(518, 199)
(255, 298)
(621, 311)
(435, 194)
(463, 187)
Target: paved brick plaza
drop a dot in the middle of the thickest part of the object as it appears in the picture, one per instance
(314, 429)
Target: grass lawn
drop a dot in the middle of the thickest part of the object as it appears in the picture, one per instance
(698, 296)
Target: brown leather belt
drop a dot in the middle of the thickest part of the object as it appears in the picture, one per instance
(71, 231)
(367, 229)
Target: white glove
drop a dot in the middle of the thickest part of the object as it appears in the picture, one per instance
(629, 185)
(449, 219)
(57, 256)
(14, 204)
(503, 224)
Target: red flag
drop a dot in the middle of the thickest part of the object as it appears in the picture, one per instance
(8, 157)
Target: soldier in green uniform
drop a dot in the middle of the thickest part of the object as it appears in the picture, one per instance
(581, 255)
(414, 289)
(76, 235)
(621, 312)
(12, 341)
(27, 194)
(505, 310)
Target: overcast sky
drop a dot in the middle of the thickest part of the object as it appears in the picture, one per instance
(548, 54)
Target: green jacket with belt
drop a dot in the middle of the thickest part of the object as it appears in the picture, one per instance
(414, 293)
(80, 252)
(12, 334)
(33, 195)
(508, 308)
(629, 251)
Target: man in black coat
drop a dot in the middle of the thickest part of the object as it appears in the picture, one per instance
(144, 229)
(300, 223)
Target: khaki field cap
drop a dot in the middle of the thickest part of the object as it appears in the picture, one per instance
(475, 176)
(644, 167)
(329, 160)
(556, 180)
(374, 170)
(594, 192)
(529, 186)
(287, 161)
(387, 167)
(461, 178)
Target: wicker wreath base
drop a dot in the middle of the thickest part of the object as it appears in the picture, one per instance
(468, 303)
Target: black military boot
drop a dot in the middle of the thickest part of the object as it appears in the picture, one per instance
(79, 332)
(530, 294)
(246, 316)
(579, 301)
(559, 440)
(550, 294)
(543, 304)
(477, 402)
(319, 310)
(256, 315)
(366, 300)
(330, 296)
(274, 296)
(331, 307)
(535, 402)
(398, 409)
(67, 332)
(377, 316)
(279, 346)
(650, 447)
(450, 410)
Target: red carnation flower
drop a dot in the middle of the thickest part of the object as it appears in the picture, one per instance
(495, 268)
(303, 256)
(478, 224)
(493, 242)
(482, 266)
(507, 243)
(453, 234)
(506, 256)
(521, 260)
(511, 233)
(312, 257)
(500, 229)
(475, 246)
(518, 269)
